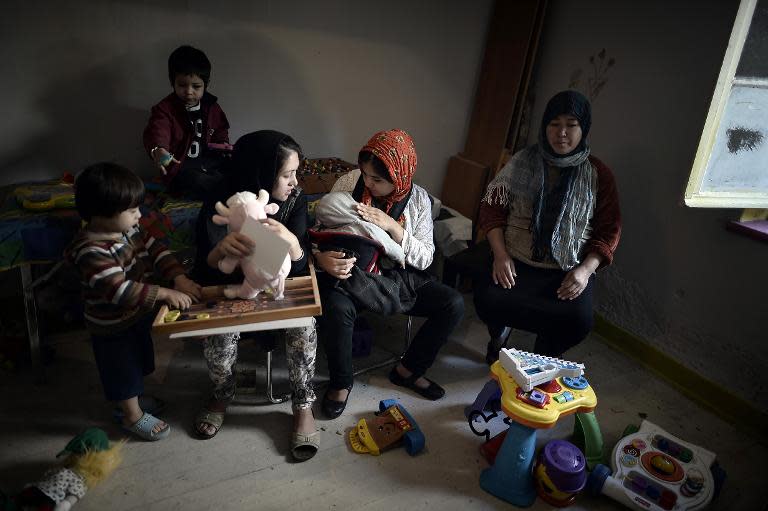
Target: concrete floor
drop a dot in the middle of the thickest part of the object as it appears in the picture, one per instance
(248, 465)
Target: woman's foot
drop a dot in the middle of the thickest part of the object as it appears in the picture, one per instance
(337, 395)
(335, 401)
(304, 421)
(305, 440)
(208, 421)
(401, 376)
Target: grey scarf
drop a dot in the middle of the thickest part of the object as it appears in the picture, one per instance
(523, 180)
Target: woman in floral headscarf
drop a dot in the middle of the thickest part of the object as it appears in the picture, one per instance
(388, 198)
(552, 219)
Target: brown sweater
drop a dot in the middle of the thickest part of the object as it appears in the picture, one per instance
(605, 222)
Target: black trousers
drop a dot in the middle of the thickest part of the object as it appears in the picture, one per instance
(441, 305)
(532, 305)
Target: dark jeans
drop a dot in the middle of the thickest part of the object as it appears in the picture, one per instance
(124, 359)
(441, 305)
(532, 305)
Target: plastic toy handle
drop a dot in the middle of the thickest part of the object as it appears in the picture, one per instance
(597, 479)
(386, 403)
(414, 441)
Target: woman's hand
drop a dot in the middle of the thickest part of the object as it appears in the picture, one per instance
(235, 244)
(576, 280)
(503, 273)
(335, 264)
(383, 220)
(273, 225)
(188, 286)
(574, 283)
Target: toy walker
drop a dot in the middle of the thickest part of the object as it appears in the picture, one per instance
(535, 392)
(654, 470)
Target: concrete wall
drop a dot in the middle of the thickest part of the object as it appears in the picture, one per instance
(81, 76)
(679, 280)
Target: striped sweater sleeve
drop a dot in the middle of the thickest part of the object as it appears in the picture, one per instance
(104, 274)
(163, 261)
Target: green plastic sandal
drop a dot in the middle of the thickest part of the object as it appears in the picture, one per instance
(215, 419)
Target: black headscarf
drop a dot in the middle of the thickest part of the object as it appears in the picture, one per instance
(253, 166)
(254, 163)
(567, 102)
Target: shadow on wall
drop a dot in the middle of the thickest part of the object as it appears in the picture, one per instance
(86, 119)
(260, 86)
(98, 112)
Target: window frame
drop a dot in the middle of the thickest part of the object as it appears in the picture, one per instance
(694, 196)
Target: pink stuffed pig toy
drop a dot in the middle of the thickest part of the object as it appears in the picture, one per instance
(240, 206)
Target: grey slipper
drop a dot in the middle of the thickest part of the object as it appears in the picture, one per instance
(303, 446)
(147, 403)
(144, 426)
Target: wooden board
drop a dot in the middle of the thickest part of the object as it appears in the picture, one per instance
(302, 300)
(464, 186)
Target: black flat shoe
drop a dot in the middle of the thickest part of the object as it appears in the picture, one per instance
(433, 392)
(331, 408)
(495, 345)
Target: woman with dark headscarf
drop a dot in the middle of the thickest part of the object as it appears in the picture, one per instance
(261, 160)
(552, 218)
(387, 197)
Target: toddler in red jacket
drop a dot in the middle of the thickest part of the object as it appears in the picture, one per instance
(184, 123)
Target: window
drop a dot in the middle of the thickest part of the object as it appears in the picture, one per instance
(731, 165)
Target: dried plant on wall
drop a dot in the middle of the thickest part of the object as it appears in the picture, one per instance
(596, 80)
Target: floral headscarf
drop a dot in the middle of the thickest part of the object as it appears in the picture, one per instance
(396, 150)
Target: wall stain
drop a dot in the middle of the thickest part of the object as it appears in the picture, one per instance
(743, 139)
(600, 64)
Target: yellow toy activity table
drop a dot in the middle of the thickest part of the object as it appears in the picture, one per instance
(535, 392)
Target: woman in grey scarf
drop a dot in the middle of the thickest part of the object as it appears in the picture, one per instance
(552, 218)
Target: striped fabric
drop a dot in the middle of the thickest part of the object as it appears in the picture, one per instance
(113, 270)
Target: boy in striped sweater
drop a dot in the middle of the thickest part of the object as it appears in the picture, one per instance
(114, 257)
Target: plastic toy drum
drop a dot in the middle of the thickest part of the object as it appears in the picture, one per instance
(560, 473)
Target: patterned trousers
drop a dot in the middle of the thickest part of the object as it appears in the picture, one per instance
(220, 353)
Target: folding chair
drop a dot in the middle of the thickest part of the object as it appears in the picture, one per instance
(268, 342)
(394, 358)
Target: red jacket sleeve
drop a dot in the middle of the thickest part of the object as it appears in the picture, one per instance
(219, 125)
(158, 130)
(606, 221)
(491, 217)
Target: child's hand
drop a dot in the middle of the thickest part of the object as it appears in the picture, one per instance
(174, 299)
(162, 159)
(186, 285)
